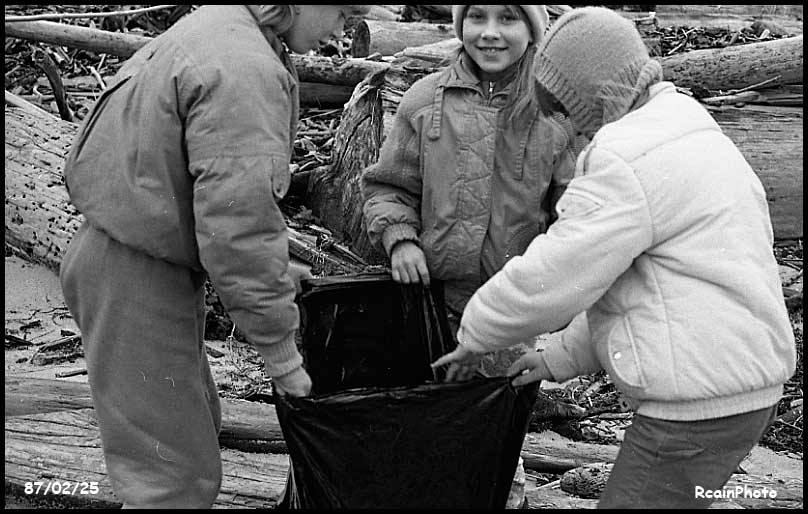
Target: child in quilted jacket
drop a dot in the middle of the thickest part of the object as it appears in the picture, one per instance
(661, 263)
(470, 170)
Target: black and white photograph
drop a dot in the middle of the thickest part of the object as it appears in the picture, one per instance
(404, 256)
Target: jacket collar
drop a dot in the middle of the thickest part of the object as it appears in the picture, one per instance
(462, 74)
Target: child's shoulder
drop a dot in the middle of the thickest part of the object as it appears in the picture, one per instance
(421, 93)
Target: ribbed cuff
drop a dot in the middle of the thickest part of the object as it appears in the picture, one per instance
(282, 357)
(397, 233)
(558, 363)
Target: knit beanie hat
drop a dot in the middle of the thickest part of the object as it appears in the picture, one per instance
(595, 63)
(537, 20)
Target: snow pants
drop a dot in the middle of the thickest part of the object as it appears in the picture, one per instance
(142, 324)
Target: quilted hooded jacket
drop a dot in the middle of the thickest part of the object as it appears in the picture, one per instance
(456, 176)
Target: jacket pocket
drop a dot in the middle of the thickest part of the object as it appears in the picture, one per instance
(624, 361)
(95, 112)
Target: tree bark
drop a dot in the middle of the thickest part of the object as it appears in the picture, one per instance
(736, 67)
(65, 447)
(390, 37)
(334, 190)
(345, 72)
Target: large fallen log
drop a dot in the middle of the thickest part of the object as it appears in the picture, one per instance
(344, 72)
(390, 37)
(731, 17)
(738, 66)
(64, 448)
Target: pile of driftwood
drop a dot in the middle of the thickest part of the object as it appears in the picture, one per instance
(752, 82)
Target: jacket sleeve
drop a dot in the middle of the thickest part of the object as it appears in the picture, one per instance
(238, 141)
(604, 223)
(392, 187)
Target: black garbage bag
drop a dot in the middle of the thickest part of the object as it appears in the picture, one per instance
(380, 429)
(449, 445)
(367, 330)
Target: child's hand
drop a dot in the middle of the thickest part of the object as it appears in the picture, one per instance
(463, 364)
(408, 264)
(294, 383)
(537, 369)
(298, 272)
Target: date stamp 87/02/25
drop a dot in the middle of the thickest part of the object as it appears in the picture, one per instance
(64, 487)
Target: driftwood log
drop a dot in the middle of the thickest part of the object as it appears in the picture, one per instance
(736, 67)
(391, 37)
(65, 447)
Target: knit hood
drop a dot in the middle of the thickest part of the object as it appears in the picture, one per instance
(596, 64)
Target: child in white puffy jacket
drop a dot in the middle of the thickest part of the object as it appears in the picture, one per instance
(661, 263)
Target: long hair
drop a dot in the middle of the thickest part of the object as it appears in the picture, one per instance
(522, 102)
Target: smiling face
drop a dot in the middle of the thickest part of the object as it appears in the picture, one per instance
(314, 26)
(495, 36)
